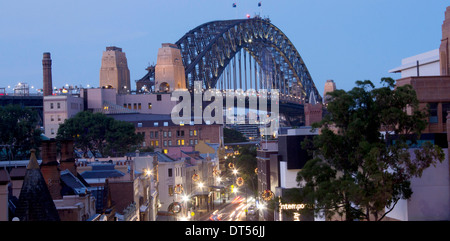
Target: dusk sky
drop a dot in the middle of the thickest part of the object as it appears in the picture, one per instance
(345, 40)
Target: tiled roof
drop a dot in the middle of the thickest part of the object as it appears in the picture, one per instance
(35, 202)
(102, 171)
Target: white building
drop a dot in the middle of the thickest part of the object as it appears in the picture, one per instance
(58, 108)
(424, 64)
(170, 174)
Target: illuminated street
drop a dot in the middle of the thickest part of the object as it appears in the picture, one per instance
(235, 211)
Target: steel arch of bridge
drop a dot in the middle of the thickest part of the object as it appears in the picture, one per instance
(208, 49)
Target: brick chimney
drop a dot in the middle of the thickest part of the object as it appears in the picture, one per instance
(67, 162)
(47, 74)
(49, 168)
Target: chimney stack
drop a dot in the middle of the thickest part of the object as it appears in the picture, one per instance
(67, 161)
(50, 168)
(47, 73)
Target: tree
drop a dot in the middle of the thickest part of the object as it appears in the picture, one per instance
(231, 136)
(19, 131)
(97, 132)
(362, 163)
(246, 164)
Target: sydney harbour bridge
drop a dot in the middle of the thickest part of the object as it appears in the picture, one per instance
(247, 54)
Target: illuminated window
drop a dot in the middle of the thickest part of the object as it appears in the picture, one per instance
(149, 106)
(166, 151)
(152, 143)
(182, 142)
(156, 143)
(139, 106)
(195, 132)
(134, 106)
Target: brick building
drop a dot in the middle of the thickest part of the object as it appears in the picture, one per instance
(161, 133)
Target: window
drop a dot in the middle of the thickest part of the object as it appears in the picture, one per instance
(139, 124)
(134, 106)
(139, 106)
(170, 143)
(179, 142)
(124, 105)
(191, 133)
(155, 123)
(152, 143)
(191, 142)
(51, 118)
(170, 133)
(166, 151)
(165, 143)
(182, 142)
(170, 190)
(180, 133)
(165, 133)
(129, 106)
(58, 105)
(433, 112)
(52, 131)
(51, 105)
(166, 123)
(195, 142)
(156, 134)
(156, 143)
(195, 132)
(59, 118)
(445, 108)
(158, 97)
(169, 172)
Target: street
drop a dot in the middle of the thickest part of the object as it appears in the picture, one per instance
(239, 209)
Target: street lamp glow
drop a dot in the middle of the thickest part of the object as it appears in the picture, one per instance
(235, 171)
(219, 179)
(185, 198)
(200, 185)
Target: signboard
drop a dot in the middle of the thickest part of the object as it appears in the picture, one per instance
(295, 207)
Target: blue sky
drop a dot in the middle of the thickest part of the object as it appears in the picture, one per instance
(346, 40)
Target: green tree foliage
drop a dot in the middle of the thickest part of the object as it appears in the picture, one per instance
(97, 132)
(246, 164)
(232, 136)
(357, 172)
(19, 132)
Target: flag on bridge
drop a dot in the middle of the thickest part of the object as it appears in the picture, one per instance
(259, 4)
(234, 5)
